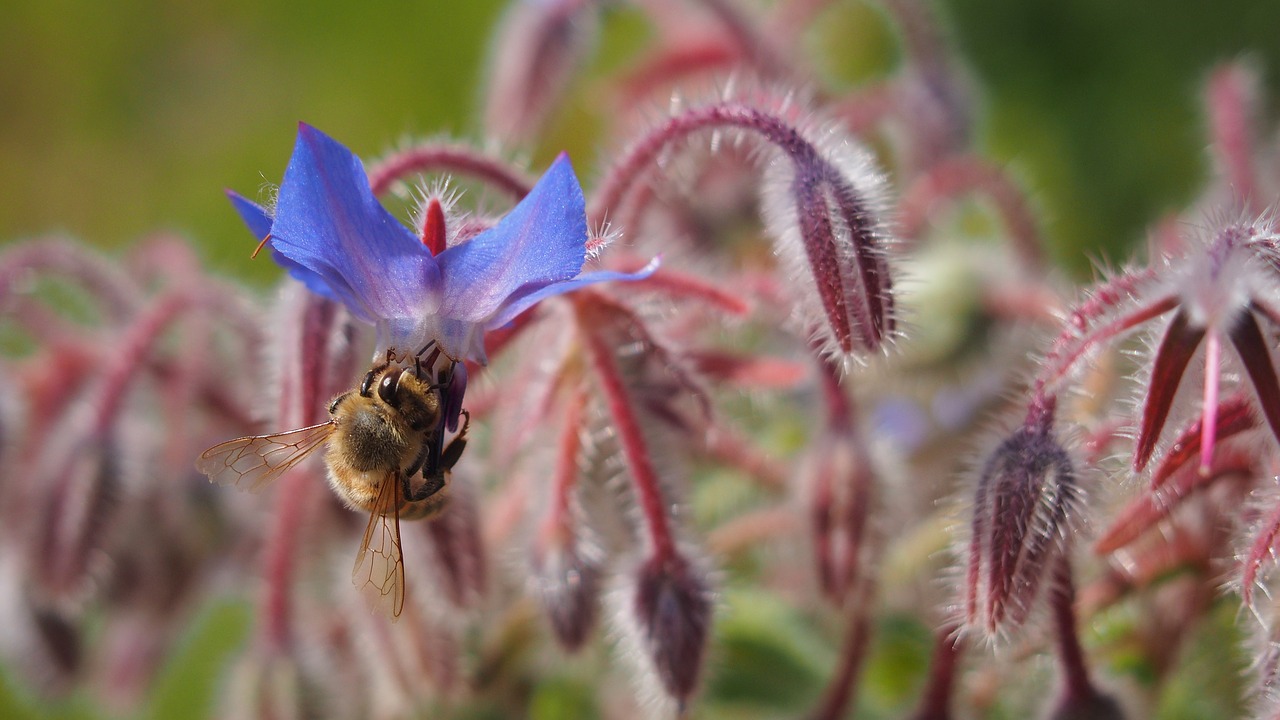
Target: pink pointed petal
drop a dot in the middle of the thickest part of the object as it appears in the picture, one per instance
(1179, 344)
(1256, 356)
(1234, 416)
(1148, 510)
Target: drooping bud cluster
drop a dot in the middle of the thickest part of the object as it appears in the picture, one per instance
(1023, 512)
(824, 203)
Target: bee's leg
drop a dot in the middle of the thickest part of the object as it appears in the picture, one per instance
(453, 453)
(417, 464)
(439, 462)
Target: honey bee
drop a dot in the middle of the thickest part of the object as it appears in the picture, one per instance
(379, 437)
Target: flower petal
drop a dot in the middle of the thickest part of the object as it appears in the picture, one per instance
(540, 242)
(254, 215)
(527, 296)
(1256, 357)
(329, 222)
(1179, 344)
(259, 222)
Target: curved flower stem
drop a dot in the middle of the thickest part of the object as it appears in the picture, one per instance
(864, 108)
(746, 531)
(637, 159)
(136, 346)
(727, 445)
(117, 294)
(558, 520)
(1079, 337)
(792, 17)
(451, 158)
(631, 437)
(753, 45)
(671, 66)
(842, 688)
(840, 411)
(683, 285)
(841, 492)
(1062, 598)
(935, 702)
(957, 176)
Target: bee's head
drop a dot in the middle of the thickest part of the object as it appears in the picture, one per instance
(387, 381)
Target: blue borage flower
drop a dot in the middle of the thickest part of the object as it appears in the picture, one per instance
(331, 233)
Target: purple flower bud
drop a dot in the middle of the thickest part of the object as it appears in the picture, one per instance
(566, 578)
(42, 645)
(824, 205)
(668, 616)
(842, 481)
(1025, 500)
(80, 505)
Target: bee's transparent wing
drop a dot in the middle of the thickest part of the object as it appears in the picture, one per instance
(379, 570)
(252, 462)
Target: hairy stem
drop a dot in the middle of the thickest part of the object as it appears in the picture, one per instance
(450, 158)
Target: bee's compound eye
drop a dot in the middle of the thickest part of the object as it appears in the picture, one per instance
(387, 388)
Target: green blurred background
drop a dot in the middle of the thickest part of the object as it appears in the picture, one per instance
(126, 118)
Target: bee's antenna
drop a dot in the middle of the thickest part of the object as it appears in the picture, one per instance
(373, 374)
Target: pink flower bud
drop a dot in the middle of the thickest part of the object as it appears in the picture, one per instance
(1024, 505)
(668, 617)
(840, 509)
(566, 578)
(43, 647)
(824, 205)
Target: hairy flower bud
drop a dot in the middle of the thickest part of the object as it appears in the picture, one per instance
(840, 509)
(80, 505)
(566, 578)
(44, 646)
(666, 617)
(824, 206)
(1025, 500)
